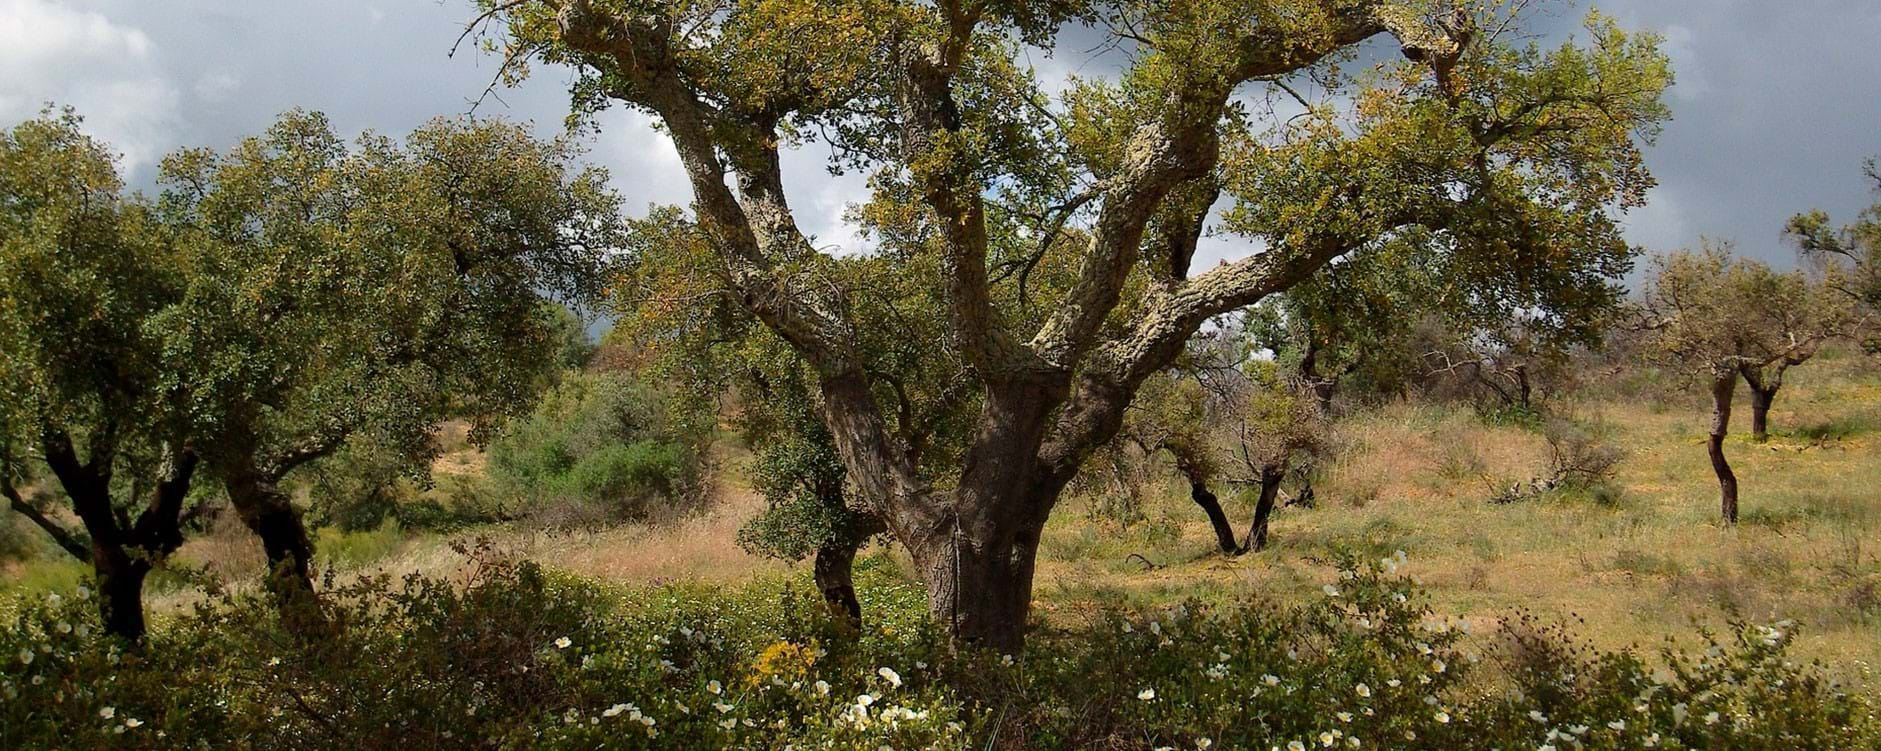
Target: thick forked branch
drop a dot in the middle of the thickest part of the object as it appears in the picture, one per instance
(1182, 144)
(66, 539)
(751, 232)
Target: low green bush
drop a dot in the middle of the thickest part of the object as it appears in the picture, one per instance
(512, 656)
(599, 447)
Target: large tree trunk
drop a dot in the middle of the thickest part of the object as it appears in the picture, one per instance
(834, 569)
(120, 592)
(1723, 388)
(980, 589)
(271, 515)
(1760, 399)
(1263, 509)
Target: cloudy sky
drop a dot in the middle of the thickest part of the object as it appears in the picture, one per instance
(1777, 103)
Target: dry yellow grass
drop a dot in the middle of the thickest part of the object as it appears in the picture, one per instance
(1648, 566)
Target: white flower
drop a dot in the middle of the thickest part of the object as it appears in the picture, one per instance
(1364, 691)
(84, 593)
(614, 711)
(864, 700)
(722, 707)
(1617, 725)
(888, 674)
(1327, 739)
(1344, 716)
(108, 712)
(1146, 694)
(1437, 666)
(713, 686)
(1442, 717)
(1680, 712)
(1204, 744)
(1295, 746)
(563, 643)
(1331, 591)
(26, 657)
(1711, 719)
(132, 722)
(64, 628)
(728, 724)
(1536, 715)
(1270, 679)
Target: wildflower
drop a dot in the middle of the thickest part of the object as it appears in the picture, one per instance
(729, 724)
(822, 687)
(64, 628)
(887, 674)
(614, 711)
(1204, 744)
(26, 657)
(1270, 679)
(1711, 719)
(1295, 746)
(563, 643)
(1436, 666)
(722, 707)
(132, 722)
(1680, 712)
(864, 700)
(1364, 691)
(1536, 715)
(1331, 591)
(1442, 717)
(1344, 716)
(84, 593)
(1146, 694)
(1327, 739)
(1617, 725)
(712, 686)
(108, 712)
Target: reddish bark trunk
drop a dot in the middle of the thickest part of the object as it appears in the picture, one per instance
(1723, 388)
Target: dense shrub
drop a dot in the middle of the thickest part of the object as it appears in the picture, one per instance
(600, 446)
(510, 656)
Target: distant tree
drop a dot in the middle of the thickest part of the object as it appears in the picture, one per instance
(86, 271)
(333, 292)
(1719, 318)
(1849, 257)
(1512, 158)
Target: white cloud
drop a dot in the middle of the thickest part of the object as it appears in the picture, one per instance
(216, 86)
(1681, 45)
(50, 52)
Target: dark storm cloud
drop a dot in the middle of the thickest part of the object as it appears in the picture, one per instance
(1776, 106)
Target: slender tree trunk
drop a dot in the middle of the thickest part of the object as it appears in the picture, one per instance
(1723, 388)
(1211, 505)
(1760, 399)
(271, 515)
(1263, 509)
(834, 569)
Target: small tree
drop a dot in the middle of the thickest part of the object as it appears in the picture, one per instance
(1849, 258)
(85, 272)
(333, 292)
(1718, 318)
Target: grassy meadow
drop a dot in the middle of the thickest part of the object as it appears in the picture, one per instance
(1645, 562)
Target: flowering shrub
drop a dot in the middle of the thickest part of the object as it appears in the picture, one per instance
(511, 656)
